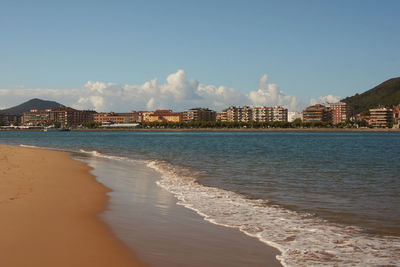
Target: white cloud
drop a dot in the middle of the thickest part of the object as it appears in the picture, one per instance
(270, 95)
(177, 93)
(150, 103)
(325, 99)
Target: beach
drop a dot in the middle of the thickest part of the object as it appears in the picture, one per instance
(49, 206)
(235, 198)
(57, 210)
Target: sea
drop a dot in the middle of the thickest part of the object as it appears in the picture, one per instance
(320, 198)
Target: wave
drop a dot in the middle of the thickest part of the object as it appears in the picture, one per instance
(105, 156)
(303, 239)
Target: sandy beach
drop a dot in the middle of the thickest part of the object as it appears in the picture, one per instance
(48, 207)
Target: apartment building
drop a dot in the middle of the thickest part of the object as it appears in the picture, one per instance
(37, 117)
(396, 112)
(259, 114)
(113, 117)
(245, 114)
(65, 115)
(7, 119)
(71, 117)
(381, 117)
(142, 116)
(279, 114)
(341, 112)
(229, 114)
(220, 116)
(199, 114)
(317, 113)
(165, 116)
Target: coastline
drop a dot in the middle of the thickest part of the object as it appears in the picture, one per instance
(128, 175)
(356, 130)
(247, 130)
(49, 205)
(163, 232)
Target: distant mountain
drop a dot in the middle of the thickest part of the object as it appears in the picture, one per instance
(31, 104)
(385, 94)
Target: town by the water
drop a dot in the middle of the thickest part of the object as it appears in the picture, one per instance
(326, 115)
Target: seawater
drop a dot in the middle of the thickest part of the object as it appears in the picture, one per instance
(320, 198)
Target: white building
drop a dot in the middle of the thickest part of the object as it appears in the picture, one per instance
(260, 114)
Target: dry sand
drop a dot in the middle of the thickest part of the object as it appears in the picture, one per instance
(48, 213)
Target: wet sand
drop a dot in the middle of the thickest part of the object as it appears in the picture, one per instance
(147, 218)
(48, 208)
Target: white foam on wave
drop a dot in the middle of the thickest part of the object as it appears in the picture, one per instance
(303, 239)
(112, 157)
(101, 155)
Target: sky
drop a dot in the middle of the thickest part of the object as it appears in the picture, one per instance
(144, 55)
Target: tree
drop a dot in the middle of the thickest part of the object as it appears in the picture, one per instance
(57, 124)
(297, 123)
(90, 124)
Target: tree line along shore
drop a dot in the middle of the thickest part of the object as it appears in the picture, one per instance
(294, 126)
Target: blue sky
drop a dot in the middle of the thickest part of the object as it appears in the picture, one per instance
(308, 49)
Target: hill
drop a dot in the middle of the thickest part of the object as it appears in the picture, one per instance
(384, 94)
(31, 104)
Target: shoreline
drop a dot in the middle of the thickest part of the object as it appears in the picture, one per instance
(49, 205)
(245, 130)
(162, 231)
(356, 130)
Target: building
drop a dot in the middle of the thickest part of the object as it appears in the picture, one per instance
(65, 115)
(317, 113)
(142, 116)
(279, 114)
(245, 114)
(366, 118)
(165, 116)
(396, 111)
(199, 114)
(229, 114)
(259, 114)
(341, 112)
(7, 119)
(37, 117)
(71, 117)
(116, 117)
(381, 117)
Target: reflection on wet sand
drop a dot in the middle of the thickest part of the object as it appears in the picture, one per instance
(162, 233)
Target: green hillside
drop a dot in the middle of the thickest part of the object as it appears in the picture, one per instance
(385, 94)
(31, 104)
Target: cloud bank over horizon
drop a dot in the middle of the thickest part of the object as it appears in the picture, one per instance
(177, 92)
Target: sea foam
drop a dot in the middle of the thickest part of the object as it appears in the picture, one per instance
(303, 239)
